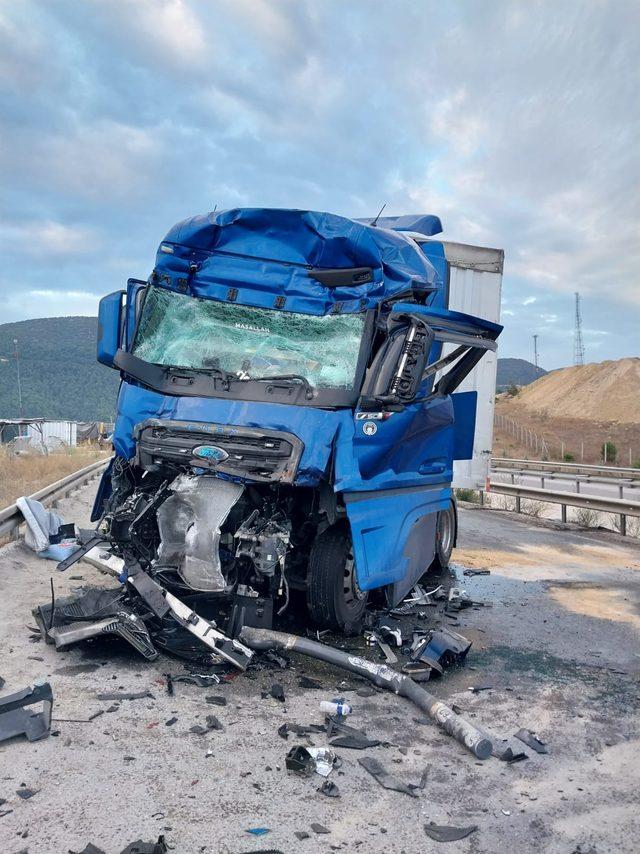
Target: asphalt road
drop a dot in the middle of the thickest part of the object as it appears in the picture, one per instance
(559, 648)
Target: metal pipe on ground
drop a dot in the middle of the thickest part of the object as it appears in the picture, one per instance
(382, 676)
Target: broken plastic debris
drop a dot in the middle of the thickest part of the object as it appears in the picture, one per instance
(386, 780)
(125, 695)
(307, 682)
(329, 789)
(447, 833)
(26, 793)
(319, 828)
(16, 718)
(257, 831)
(324, 758)
(531, 740)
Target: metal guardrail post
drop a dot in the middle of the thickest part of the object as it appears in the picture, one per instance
(623, 524)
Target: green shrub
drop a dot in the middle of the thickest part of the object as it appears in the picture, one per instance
(609, 452)
(513, 390)
(467, 495)
(568, 458)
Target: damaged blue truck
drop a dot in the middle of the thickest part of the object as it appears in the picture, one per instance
(288, 419)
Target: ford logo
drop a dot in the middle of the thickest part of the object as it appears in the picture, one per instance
(210, 452)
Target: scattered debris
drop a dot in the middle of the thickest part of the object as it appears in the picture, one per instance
(443, 649)
(447, 833)
(386, 780)
(486, 686)
(300, 760)
(216, 700)
(301, 834)
(258, 831)
(26, 793)
(325, 760)
(16, 718)
(171, 721)
(307, 682)
(464, 732)
(125, 695)
(319, 828)
(355, 742)
(531, 740)
(329, 789)
(335, 707)
(277, 692)
(471, 572)
(140, 847)
(423, 781)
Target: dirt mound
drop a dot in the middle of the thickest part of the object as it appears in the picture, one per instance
(602, 391)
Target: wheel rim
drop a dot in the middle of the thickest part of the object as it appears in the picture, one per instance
(445, 531)
(352, 594)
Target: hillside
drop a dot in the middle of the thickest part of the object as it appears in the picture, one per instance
(59, 374)
(602, 391)
(516, 372)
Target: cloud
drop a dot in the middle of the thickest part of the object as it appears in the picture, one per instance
(516, 123)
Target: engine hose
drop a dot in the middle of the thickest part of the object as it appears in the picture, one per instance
(385, 677)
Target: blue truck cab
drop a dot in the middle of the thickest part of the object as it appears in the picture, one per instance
(288, 416)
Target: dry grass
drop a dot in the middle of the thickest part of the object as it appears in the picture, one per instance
(26, 474)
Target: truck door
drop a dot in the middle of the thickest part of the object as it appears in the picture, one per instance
(395, 473)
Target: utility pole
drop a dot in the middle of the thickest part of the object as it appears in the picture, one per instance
(17, 358)
(578, 345)
(535, 353)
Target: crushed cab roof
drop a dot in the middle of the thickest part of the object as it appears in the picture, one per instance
(268, 257)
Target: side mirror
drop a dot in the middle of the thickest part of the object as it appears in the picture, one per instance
(110, 325)
(396, 372)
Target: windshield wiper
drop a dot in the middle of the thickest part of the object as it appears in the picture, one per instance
(225, 376)
(288, 379)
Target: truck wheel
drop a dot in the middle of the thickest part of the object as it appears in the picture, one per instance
(333, 597)
(446, 531)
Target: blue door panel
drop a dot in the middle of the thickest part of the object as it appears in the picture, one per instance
(382, 524)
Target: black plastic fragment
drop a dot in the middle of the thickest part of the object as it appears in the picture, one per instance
(277, 692)
(531, 740)
(213, 722)
(447, 833)
(307, 682)
(25, 793)
(319, 828)
(89, 848)
(171, 721)
(355, 742)
(216, 700)
(301, 834)
(386, 780)
(300, 760)
(140, 847)
(329, 789)
(125, 695)
(283, 731)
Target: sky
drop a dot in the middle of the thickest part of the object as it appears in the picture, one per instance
(516, 123)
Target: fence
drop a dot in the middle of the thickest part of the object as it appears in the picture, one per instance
(548, 449)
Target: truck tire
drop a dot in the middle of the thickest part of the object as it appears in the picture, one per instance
(333, 598)
(446, 534)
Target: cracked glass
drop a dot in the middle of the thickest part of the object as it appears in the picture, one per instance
(189, 332)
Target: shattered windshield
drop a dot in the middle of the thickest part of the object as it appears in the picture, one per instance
(188, 332)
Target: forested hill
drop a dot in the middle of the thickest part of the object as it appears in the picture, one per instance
(59, 374)
(61, 378)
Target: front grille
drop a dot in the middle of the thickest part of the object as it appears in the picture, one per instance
(252, 453)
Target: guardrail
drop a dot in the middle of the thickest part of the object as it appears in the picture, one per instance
(617, 506)
(620, 483)
(11, 518)
(568, 468)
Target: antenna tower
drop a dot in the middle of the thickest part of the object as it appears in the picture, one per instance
(578, 344)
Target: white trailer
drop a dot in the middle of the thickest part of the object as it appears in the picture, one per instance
(474, 287)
